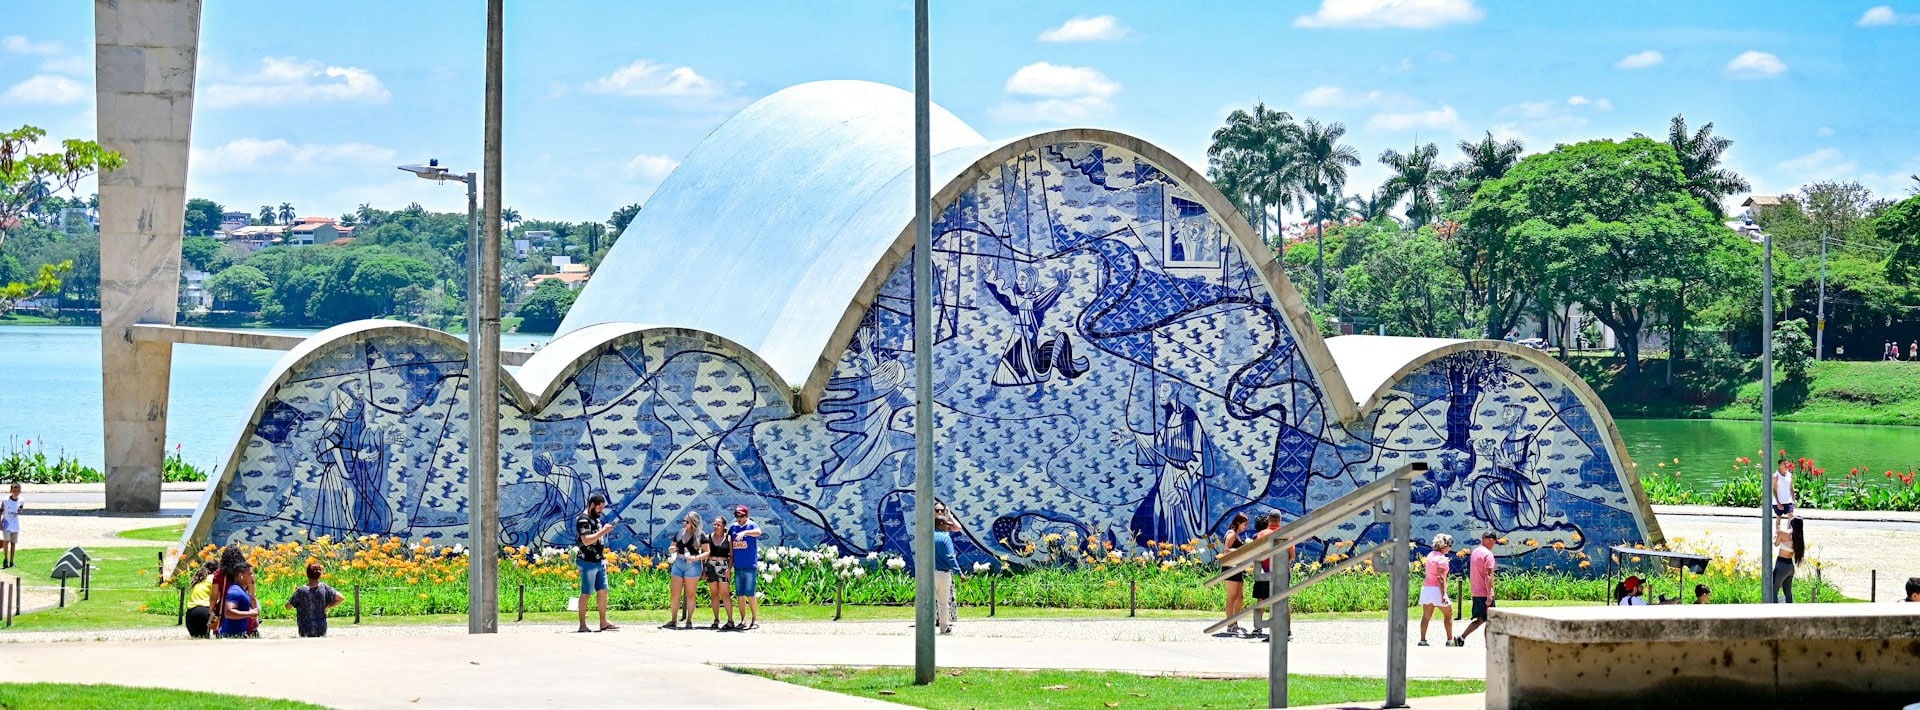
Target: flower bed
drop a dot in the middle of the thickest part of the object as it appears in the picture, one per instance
(1813, 487)
(396, 578)
(29, 463)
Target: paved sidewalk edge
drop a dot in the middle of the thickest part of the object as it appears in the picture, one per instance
(1865, 516)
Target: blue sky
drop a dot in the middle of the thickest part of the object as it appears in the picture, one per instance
(313, 103)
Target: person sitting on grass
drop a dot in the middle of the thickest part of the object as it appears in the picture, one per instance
(1702, 593)
(1433, 595)
(200, 601)
(312, 602)
(239, 609)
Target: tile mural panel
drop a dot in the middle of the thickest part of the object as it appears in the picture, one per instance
(1108, 362)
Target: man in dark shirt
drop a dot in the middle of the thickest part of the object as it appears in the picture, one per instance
(592, 559)
(312, 602)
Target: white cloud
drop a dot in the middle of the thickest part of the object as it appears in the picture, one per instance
(1410, 14)
(16, 44)
(46, 89)
(1443, 118)
(1640, 60)
(1103, 28)
(1051, 93)
(1599, 104)
(1329, 96)
(650, 79)
(1755, 65)
(1822, 163)
(279, 153)
(1884, 16)
(650, 167)
(286, 80)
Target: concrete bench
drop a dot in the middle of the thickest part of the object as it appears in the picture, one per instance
(1704, 656)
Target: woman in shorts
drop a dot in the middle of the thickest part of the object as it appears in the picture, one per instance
(689, 553)
(1236, 585)
(718, 574)
(1433, 594)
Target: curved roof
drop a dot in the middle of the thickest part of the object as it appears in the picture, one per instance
(780, 228)
(765, 229)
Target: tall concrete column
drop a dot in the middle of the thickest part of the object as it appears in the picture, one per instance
(145, 52)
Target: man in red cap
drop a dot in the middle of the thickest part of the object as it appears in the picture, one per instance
(746, 566)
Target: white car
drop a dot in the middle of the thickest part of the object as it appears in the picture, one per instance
(1535, 343)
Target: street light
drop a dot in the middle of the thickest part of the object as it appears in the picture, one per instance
(1766, 412)
(483, 414)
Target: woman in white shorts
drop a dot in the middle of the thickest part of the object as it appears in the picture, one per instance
(1433, 595)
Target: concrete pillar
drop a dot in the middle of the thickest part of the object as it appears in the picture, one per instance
(145, 52)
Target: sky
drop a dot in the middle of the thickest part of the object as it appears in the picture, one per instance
(315, 103)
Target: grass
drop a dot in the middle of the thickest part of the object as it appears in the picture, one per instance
(73, 696)
(163, 533)
(1838, 392)
(25, 319)
(123, 585)
(971, 688)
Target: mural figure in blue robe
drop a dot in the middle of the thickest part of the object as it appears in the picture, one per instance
(531, 509)
(1178, 448)
(1506, 494)
(1027, 360)
(353, 460)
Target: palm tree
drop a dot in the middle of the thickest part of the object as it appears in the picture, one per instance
(1368, 207)
(1417, 178)
(1700, 153)
(286, 213)
(1254, 154)
(366, 214)
(1488, 159)
(1323, 161)
(509, 217)
(266, 214)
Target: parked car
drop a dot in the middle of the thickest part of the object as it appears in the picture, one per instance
(1535, 343)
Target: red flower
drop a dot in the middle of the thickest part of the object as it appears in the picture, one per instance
(1787, 466)
(1889, 474)
(1783, 452)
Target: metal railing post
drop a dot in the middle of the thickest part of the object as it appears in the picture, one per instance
(993, 595)
(1873, 585)
(180, 614)
(1399, 567)
(1133, 598)
(1277, 631)
(356, 603)
(521, 613)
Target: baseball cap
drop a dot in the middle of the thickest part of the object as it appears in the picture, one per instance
(739, 510)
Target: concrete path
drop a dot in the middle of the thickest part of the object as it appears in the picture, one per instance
(1850, 552)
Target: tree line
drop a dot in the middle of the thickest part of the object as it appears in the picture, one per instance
(1629, 232)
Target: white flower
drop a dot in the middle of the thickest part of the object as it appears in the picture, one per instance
(896, 564)
(859, 571)
(772, 570)
(760, 566)
(871, 556)
(979, 567)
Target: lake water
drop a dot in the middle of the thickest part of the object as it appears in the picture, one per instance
(51, 394)
(50, 391)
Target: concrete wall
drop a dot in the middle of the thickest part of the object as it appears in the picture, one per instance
(1777, 656)
(1112, 366)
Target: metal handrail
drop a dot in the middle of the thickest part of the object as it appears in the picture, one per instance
(1273, 548)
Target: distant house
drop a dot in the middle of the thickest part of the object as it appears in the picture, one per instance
(1759, 204)
(308, 231)
(193, 290)
(538, 237)
(230, 221)
(573, 280)
(521, 247)
(254, 238)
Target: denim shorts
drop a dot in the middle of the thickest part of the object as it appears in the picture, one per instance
(744, 579)
(593, 576)
(686, 569)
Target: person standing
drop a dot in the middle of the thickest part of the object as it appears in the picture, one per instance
(312, 602)
(1783, 506)
(689, 548)
(1237, 584)
(1789, 545)
(1913, 350)
(716, 572)
(946, 610)
(746, 571)
(239, 610)
(199, 601)
(1480, 566)
(591, 560)
(1433, 595)
(9, 526)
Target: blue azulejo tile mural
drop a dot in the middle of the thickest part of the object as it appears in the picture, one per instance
(1110, 361)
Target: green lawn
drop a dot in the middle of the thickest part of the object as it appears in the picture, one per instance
(69, 696)
(24, 319)
(163, 533)
(960, 689)
(123, 581)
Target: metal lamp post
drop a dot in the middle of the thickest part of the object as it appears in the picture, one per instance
(483, 412)
(923, 331)
(1766, 416)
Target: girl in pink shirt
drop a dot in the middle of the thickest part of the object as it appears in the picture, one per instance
(1434, 593)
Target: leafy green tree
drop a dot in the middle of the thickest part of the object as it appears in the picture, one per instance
(203, 216)
(200, 252)
(1486, 159)
(1615, 224)
(238, 288)
(1793, 350)
(545, 307)
(365, 283)
(27, 179)
(1699, 153)
(1899, 227)
(618, 222)
(1323, 162)
(1417, 178)
(1407, 285)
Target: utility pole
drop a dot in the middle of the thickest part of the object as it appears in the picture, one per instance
(1766, 422)
(483, 371)
(1820, 331)
(923, 495)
